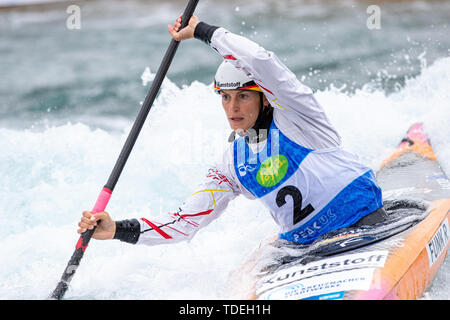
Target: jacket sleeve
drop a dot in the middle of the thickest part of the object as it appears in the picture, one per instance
(203, 206)
(292, 100)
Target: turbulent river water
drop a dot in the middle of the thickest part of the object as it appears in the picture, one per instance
(70, 96)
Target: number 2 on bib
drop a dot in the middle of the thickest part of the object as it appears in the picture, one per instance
(299, 213)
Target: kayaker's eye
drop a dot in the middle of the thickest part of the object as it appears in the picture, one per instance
(225, 97)
(243, 95)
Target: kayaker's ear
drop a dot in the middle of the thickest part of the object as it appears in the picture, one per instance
(266, 102)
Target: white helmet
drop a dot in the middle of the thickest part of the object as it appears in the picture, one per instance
(228, 77)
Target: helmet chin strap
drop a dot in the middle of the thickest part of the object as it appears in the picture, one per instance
(254, 134)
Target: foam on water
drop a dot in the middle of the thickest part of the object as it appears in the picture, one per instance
(49, 176)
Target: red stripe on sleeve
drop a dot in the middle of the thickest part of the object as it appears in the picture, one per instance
(197, 214)
(229, 57)
(162, 233)
(184, 234)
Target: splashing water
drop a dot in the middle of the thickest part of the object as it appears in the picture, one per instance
(49, 176)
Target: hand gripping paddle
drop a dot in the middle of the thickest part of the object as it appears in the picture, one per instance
(107, 190)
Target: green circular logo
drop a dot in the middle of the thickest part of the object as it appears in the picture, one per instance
(272, 170)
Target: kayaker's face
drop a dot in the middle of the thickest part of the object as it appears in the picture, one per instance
(241, 108)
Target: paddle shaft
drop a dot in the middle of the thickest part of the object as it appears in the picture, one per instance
(107, 190)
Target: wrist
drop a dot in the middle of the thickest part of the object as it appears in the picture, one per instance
(204, 31)
(127, 231)
(114, 228)
(195, 24)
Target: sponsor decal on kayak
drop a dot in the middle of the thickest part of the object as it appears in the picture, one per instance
(371, 259)
(327, 296)
(438, 243)
(323, 286)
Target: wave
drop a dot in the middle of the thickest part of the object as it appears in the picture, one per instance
(50, 175)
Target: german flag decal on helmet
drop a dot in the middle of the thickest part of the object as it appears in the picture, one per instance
(229, 78)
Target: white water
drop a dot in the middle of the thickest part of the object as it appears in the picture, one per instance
(49, 176)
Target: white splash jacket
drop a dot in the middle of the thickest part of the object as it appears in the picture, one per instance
(309, 184)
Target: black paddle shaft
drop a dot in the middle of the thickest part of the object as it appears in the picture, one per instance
(148, 102)
(85, 237)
